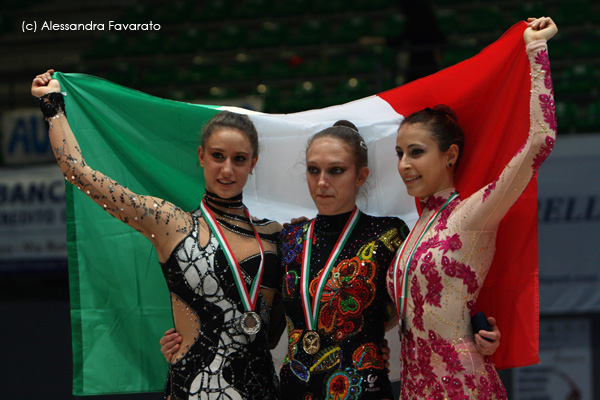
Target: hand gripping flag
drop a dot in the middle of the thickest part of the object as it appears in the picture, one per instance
(119, 300)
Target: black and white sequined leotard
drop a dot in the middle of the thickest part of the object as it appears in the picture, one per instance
(223, 363)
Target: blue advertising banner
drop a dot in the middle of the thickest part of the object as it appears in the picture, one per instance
(24, 138)
(32, 219)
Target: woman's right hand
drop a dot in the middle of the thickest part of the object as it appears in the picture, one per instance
(489, 346)
(169, 344)
(295, 221)
(43, 84)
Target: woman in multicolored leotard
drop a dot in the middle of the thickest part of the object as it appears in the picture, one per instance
(333, 285)
(217, 306)
(439, 271)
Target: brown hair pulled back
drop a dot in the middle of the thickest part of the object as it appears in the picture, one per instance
(230, 120)
(443, 124)
(347, 132)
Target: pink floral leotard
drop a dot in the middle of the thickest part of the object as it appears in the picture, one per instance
(450, 263)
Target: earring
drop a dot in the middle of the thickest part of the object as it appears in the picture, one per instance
(449, 165)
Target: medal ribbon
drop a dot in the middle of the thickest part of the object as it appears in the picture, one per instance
(249, 298)
(311, 314)
(401, 288)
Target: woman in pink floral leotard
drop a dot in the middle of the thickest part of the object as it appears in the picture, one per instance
(451, 247)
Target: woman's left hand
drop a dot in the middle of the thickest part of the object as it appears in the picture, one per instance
(539, 28)
(485, 347)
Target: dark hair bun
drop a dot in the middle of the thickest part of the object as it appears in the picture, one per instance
(347, 124)
(444, 109)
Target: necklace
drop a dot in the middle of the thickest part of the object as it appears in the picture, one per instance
(234, 202)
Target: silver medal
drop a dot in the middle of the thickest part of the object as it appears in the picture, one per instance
(250, 323)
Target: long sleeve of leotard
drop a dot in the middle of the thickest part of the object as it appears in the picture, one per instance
(155, 218)
(484, 210)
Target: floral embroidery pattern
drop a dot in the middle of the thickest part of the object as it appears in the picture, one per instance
(549, 110)
(349, 290)
(543, 153)
(419, 378)
(430, 243)
(433, 203)
(367, 356)
(291, 244)
(327, 358)
(418, 301)
(542, 59)
(471, 305)
(485, 388)
(289, 284)
(448, 353)
(490, 187)
(294, 337)
(452, 243)
(434, 281)
(445, 214)
(344, 385)
(453, 268)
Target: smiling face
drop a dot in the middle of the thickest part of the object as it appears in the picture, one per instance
(227, 159)
(332, 176)
(423, 167)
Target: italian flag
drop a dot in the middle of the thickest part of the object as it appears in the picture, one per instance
(119, 300)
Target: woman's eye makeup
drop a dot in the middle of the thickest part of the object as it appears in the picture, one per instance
(240, 158)
(217, 154)
(312, 170)
(337, 170)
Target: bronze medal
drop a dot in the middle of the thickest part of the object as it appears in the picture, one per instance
(250, 323)
(311, 342)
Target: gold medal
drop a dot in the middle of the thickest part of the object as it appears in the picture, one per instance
(311, 342)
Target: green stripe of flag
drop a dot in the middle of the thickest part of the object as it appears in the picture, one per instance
(119, 300)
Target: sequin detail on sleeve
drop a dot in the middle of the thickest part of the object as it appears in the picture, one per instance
(153, 217)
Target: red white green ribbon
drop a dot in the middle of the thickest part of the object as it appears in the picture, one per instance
(249, 298)
(401, 288)
(311, 313)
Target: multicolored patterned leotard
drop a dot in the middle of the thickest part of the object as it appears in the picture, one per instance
(353, 309)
